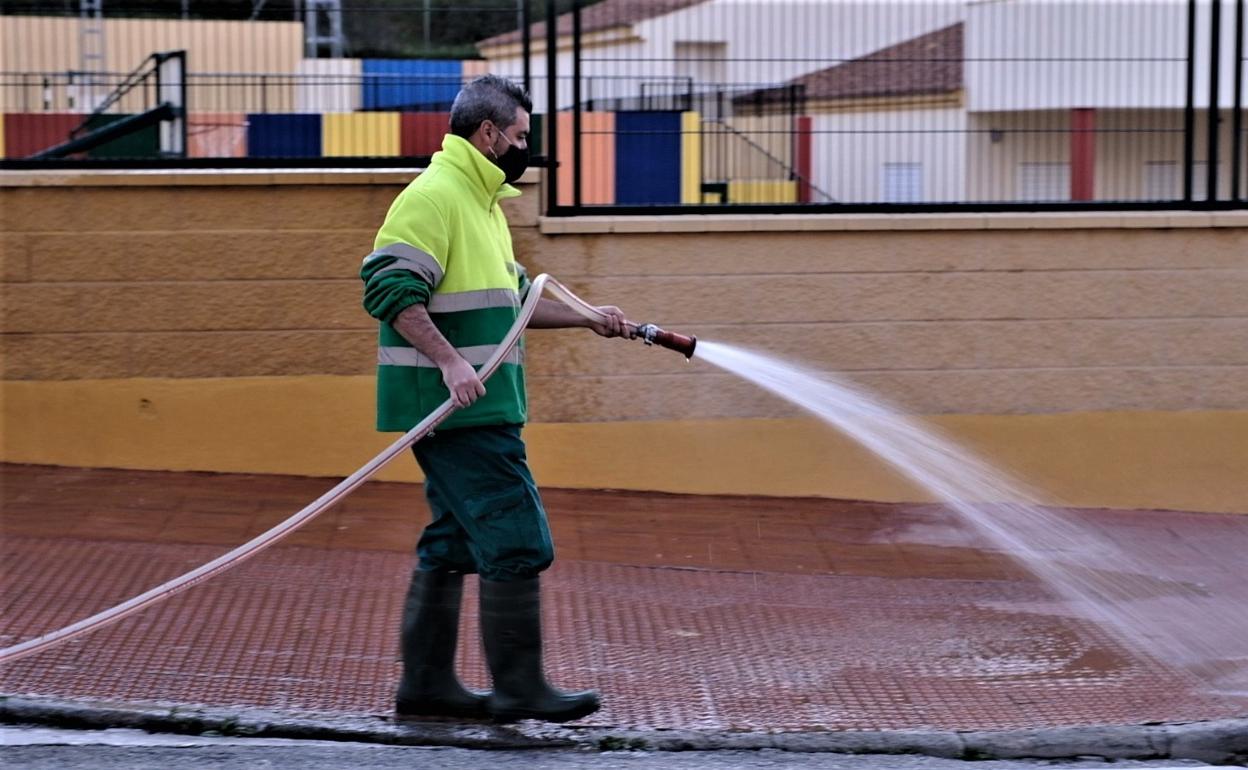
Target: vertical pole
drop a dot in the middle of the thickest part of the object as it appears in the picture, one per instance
(1082, 154)
(552, 109)
(425, 25)
(1215, 52)
(1189, 108)
(792, 125)
(184, 105)
(526, 36)
(576, 103)
(804, 164)
(1237, 114)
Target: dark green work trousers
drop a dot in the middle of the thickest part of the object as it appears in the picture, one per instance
(487, 514)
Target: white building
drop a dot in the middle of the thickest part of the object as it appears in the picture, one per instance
(934, 101)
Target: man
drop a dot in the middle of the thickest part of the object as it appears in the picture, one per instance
(445, 286)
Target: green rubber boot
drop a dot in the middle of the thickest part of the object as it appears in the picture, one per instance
(511, 627)
(428, 639)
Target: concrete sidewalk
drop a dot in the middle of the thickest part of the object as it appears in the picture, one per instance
(806, 624)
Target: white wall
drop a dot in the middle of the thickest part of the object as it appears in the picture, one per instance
(328, 85)
(771, 41)
(850, 149)
(1128, 141)
(1127, 53)
(765, 42)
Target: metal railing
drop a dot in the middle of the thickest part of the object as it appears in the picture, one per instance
(686, 105)
(903, 106)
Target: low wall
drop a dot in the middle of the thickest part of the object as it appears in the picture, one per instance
(212, 322)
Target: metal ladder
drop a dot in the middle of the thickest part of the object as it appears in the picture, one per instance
(92, 53)
(313, 39)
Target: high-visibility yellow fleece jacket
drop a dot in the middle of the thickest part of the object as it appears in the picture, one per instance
(445, 244)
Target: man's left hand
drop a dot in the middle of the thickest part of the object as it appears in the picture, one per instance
(613, 324)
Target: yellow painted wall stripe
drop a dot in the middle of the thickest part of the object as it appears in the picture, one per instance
(322, 426)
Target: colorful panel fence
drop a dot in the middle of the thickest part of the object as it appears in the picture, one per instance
(360, 134)
(410, 84)
(598, 159)
(283, 136)
(29, 133)
(329, 85)
(632, 158)
(648, 157)
(761, 191)
(216, 135)
(420, 133)
(143, 143)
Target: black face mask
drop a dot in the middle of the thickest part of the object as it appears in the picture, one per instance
(513, 162)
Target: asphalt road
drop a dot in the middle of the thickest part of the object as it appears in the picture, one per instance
(36, 748)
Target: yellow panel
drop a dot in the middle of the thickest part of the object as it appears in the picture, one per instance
(360, 133)
(765, 191)
(690, 157)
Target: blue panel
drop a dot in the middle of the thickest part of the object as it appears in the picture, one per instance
(283, 136)
(413, 85)
(647, 157)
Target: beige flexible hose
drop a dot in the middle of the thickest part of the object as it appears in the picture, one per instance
(257, 544)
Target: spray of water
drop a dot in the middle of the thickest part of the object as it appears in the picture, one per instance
(1167, 620)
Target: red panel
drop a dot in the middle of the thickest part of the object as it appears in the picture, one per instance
(597, 158)
(420, 133)
(217, 135)
(28, 133)
(1082, 154)
(803, 158)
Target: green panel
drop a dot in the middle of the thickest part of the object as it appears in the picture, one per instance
(144, 143)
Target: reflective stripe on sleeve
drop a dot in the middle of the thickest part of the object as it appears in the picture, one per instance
(473, 300)
(477, 355)
(409, 258)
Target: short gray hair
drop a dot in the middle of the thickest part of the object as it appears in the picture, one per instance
(488, 97)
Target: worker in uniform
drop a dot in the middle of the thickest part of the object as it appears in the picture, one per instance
(444, 284)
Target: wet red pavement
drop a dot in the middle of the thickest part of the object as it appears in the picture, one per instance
(687, 612)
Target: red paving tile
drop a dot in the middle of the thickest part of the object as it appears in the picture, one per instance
(688, 612)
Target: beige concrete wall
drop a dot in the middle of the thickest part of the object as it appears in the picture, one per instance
(245, 290)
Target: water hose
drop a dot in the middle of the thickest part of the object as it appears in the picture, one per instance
(649, 333)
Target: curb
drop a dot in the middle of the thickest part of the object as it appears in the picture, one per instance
(1220, 741)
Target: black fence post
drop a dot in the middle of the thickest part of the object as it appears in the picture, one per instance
(1189, 108)
(576, 104)
(793, 131)
(1214, 135)
(526, 36)
(552, 109)
(1237, 114)
(186, 107)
